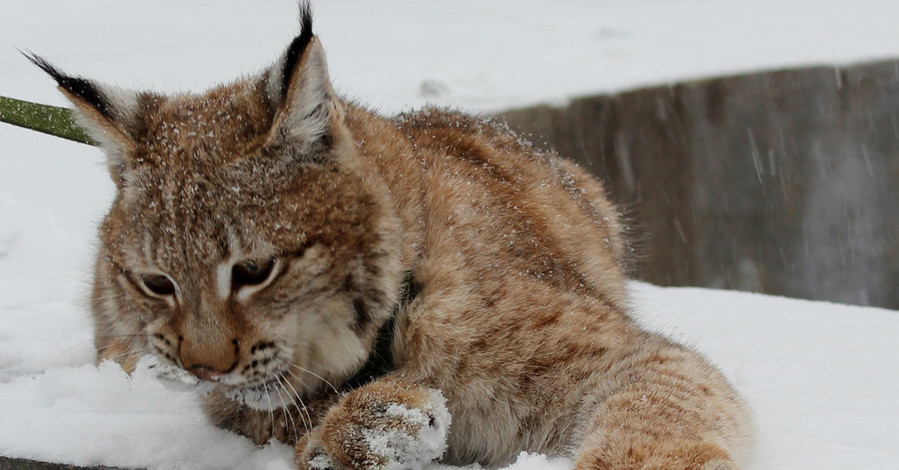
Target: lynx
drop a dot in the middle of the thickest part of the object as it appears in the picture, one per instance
(379, 292)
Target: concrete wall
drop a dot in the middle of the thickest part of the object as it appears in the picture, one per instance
(782, 182)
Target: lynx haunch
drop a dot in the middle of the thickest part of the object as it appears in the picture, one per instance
(383, 292)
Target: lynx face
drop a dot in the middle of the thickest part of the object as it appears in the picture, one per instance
(243, 246)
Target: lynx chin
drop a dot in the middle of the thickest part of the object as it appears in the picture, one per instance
(383, 292)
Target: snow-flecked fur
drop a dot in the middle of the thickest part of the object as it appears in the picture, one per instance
(389, 424)
(520, 332)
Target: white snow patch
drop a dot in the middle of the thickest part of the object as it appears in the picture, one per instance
(528, 461)
(405, 451)
(87, 415)
(320, 462)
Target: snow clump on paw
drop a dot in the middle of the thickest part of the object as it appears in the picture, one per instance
(320, 462)
(401, 450)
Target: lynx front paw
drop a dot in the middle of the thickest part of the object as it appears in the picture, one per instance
(311, 455)
(389, 424)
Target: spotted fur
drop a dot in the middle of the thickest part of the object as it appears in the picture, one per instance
(519, 330)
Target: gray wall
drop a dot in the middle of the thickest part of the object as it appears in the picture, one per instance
(781, 182)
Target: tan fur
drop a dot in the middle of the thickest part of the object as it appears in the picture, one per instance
(521, 322)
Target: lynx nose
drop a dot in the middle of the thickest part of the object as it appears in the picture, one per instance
(208, 359)
(206, 373)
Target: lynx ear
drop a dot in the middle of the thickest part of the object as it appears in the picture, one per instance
(299, 86)
(105, 112)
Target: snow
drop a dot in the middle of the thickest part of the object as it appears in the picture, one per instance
(823, 379)
(88, 415)
(403, 451)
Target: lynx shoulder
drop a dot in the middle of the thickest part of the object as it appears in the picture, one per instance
(383, 292)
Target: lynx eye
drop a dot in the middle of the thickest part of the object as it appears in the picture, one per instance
(252, 272)
(159, 284)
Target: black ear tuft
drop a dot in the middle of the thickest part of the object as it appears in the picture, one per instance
(79, 87)
(297, 46)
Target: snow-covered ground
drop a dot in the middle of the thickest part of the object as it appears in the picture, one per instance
(823, 379)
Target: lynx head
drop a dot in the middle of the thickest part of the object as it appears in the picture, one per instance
(248, 243)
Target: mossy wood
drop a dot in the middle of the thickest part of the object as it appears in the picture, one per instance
(44, 118)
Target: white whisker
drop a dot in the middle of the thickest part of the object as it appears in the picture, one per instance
(271, 411)
(286, 409)
(307, 423)
(317, 376)
(302, 404)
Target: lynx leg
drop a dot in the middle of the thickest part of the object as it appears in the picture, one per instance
(388, 424)
(622, 449)
(667, 409)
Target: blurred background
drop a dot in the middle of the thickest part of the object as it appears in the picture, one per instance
(782, 182)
